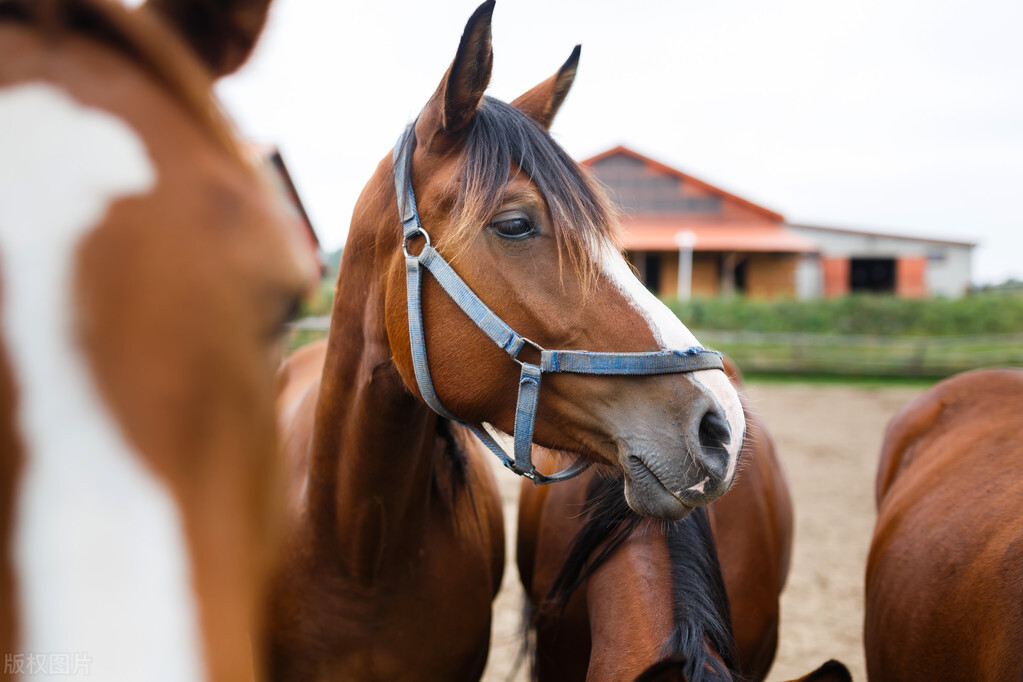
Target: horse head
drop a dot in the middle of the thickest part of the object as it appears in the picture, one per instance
(147, 269)
(536, 239)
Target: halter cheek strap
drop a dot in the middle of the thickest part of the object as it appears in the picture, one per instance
(506, 338)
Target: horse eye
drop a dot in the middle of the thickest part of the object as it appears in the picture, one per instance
(513, 228)
(287, 312)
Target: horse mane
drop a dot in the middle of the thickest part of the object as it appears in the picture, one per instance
(454, 478)
(141, 36)
(499, 135)
(700, 604)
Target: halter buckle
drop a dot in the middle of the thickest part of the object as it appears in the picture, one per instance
(417, 232)
(532, 344)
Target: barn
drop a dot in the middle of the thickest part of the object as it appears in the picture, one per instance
(687, 237)
(911, 267)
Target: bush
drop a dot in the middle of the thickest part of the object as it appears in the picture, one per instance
(872, 315)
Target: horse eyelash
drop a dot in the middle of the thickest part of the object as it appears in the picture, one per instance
(289, 311)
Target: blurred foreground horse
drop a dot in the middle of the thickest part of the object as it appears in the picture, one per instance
(146, 271)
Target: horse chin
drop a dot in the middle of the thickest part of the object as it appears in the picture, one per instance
(647, 496)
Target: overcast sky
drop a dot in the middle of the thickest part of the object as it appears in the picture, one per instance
(901, 116)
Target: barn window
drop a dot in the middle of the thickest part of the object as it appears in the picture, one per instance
(873, 275)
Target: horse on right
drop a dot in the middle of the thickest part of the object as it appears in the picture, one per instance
(944, 584)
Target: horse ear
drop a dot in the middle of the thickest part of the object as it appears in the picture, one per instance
(832, 671)
(671, 669)
(454, 103)
(542, 102)
(221, 32)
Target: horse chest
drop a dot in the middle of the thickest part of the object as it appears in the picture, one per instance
(425, 615)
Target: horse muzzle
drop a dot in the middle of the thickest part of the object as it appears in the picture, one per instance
(673, 465)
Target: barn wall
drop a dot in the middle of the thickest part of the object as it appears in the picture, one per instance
(771, 275)
(669, 274)
(767, 275)
(836, 276)
(909, 277)
(947, 266)
(949, 270)
(706, 277)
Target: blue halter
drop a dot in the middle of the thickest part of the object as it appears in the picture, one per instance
(576, 361)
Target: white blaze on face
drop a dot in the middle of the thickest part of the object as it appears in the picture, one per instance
(671, 334)
(101, 563)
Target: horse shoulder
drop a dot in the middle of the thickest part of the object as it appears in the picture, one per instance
(765, 495)
(753, 529)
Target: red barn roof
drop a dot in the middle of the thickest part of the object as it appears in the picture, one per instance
(659, 202)
(653, 235)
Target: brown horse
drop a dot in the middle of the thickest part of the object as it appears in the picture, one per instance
(613, 594)
(147, 270)
(397, 545)
(945, 569)
(671, 670)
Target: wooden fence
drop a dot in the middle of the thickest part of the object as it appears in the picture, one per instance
(930, 356)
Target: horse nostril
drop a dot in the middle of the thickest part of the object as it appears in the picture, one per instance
(715, 435)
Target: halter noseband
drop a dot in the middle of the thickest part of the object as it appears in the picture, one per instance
(576, 361)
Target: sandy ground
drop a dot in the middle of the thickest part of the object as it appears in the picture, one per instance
(829, 437)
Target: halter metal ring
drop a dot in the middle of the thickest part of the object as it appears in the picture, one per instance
(534, 345)
(418, 232)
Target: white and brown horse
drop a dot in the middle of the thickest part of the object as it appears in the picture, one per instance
(146, 270)
(396, 548)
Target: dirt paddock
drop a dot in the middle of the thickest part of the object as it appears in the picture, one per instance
(828, 437)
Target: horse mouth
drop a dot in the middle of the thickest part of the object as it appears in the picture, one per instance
(648, 496)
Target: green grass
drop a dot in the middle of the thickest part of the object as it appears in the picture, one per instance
(860, 380)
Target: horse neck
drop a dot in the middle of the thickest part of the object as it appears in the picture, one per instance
(659, 595)
(374, 444)
(630, 619)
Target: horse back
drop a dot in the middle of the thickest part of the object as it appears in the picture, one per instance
(945, 570)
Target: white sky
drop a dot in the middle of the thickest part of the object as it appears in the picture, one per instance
(901, 116)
